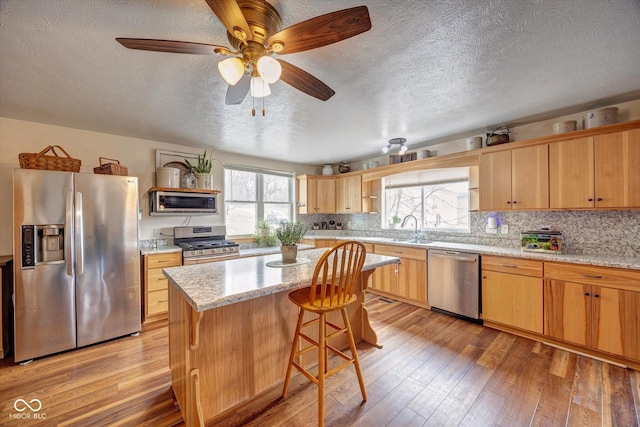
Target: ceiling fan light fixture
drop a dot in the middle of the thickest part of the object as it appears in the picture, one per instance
(231, 70)
(386, 148)
(269, 69)
(259, 87)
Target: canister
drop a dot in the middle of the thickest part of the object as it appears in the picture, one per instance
(167, 177)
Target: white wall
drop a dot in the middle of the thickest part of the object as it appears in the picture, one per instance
(138, 155)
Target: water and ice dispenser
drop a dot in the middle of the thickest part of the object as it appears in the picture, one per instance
(42, 243)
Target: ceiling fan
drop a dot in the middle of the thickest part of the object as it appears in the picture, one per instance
(253, 29)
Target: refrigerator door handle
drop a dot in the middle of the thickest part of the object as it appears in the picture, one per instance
(79, 226)
(68, 221)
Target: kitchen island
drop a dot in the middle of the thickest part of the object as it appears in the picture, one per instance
(231, 325)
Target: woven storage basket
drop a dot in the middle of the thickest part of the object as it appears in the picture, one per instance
(52, 163)
(111, 168)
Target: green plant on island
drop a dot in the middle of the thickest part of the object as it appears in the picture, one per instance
(203, 165)
(396, 219)
(290, 233)
(264, 235)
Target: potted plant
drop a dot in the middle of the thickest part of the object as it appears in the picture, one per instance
(264, 235)
(289, 234)
(202, 170)
(395, 220)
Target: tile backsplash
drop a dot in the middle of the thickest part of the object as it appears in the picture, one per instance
(615, 232)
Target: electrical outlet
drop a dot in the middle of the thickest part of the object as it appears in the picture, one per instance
(157, 231)
(348, 224)
(504, 229)
(491, 230)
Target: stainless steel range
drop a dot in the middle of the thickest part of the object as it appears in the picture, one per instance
(201, 244)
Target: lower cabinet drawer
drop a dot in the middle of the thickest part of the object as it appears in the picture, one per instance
(156, 281)
(524, 267)
(401, 252)
(157, 302)
(171, 259)
(594, 275)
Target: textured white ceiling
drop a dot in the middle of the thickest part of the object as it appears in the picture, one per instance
(425, 71)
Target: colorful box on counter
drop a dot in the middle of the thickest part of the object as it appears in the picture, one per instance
(544, 240)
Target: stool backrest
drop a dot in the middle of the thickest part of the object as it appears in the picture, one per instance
(336, 274)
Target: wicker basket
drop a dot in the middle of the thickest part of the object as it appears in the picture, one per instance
(111, 168)
(51, 163)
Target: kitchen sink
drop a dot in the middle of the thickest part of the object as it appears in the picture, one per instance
(417, 241)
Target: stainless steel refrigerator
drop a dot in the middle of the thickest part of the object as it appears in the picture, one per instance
(76, 260)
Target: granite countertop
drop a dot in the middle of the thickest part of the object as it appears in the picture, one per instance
(162, 249)
(216, 284)
(603, 260)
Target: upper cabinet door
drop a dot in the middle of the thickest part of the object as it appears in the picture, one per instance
(349, 194)
(571, 174)
(325, 192)
(617, 169)
(495, 181)
(530, 177)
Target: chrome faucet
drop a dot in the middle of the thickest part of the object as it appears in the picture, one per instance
(415, 221)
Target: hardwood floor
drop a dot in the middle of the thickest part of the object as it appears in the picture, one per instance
(434, 370)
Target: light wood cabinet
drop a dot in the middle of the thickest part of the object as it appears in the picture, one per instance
(617, 172)
(156, 286)
(371, 195)
(406, 281)
(324, 243)
(349, 194)
(316, 194)
(595, 307)
(571, 173)
(601, 171)
(512, 292)
(515, 179)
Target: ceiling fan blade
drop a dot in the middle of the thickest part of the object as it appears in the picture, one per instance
(230, 14)
(237, 92)
(323, 30)
(172, 46)
(304, 81)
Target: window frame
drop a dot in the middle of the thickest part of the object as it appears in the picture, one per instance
(423, 225)
(259, 202)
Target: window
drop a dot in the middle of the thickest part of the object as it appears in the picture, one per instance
(254, 194)
(439, 199)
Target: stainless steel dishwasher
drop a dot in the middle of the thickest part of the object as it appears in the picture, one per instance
(453, 284)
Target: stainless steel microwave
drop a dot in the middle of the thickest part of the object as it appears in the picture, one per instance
(182, 203)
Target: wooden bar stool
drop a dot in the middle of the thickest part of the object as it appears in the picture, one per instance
(332, 289)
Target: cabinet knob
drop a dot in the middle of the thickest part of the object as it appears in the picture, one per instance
(586, 294)
(596, 295)
(514, 202)
(484, 277)
(599, 199)
(590, 199)
(508, 202)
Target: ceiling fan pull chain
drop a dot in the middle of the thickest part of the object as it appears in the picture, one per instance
(253, 106)
(263, 98)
